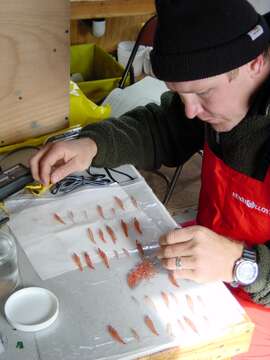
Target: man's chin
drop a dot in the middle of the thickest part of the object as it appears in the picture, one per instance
(221, 127)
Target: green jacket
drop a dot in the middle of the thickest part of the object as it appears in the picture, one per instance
(150, 136)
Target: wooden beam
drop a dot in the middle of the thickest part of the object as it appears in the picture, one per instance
(110, 8)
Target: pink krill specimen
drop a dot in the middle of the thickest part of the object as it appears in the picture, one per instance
(58, 218)
(149, 323)
(100, 211)
(77, 261)
(104, 258)
(88, 260)
(101, 236)
(114, 334)
(119, 202)
(91, 235)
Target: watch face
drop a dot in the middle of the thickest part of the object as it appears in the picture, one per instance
(246, 272)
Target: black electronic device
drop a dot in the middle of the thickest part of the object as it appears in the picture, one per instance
(14, 179)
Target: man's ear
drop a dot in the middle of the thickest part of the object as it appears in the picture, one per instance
(256, 66)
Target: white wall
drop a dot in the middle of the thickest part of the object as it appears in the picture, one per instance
(262, 6)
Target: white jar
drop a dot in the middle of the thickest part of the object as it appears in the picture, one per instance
(98, 27)
(124, 49)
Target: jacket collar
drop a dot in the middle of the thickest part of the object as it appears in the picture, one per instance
(261, 102)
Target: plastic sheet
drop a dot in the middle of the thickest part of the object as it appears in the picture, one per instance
(109, 319)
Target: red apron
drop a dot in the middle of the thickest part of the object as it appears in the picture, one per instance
(235, 205)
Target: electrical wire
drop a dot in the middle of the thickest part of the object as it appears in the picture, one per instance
(109, 170)
(72, 182)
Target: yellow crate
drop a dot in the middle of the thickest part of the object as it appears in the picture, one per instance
(101, 73)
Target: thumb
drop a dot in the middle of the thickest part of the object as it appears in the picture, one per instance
(63, 171)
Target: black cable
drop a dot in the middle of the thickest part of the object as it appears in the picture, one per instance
(110, 175)
(109, 170)
(72, 182)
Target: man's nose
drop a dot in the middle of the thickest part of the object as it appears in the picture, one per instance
(192, 108)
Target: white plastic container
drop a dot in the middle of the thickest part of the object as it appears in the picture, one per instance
(31, 309)
(124, 49)
(147, 67)
(98, 27)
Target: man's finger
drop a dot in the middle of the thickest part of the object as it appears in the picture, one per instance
(171, 251)
(47, 162)
(183, 262)
(63, 171)
(177, 236)
(188, 274)
(34, 162)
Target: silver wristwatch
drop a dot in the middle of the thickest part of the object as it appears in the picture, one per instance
(245, 269)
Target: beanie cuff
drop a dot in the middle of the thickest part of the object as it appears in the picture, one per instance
(210, 62)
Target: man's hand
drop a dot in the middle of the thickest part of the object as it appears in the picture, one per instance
(57, 160)
(204, 255)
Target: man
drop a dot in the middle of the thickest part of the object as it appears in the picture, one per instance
(215, 58)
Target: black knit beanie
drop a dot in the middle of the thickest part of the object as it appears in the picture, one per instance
(196, 39)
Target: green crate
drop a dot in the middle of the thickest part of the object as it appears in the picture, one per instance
(100, 71)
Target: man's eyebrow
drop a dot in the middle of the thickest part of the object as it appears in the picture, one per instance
(201, 91)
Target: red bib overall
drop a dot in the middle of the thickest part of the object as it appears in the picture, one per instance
(237, 206)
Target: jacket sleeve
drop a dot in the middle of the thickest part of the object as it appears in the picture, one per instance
(147, 136)
(260, 289)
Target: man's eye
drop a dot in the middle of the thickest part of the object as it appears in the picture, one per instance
(205, 93)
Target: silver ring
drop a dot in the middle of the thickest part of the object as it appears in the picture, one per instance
(178, 263)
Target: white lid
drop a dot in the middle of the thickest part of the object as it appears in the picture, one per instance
(31, 309)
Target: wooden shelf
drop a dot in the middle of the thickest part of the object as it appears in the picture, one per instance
(91, 9)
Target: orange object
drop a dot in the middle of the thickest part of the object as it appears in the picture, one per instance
(88, 260)
(142, 271)
(77, 261)
(134, 201)
(113, 211)
(101, 236)
(172, 279)
(190, 324)
(137, 226)
(114, 334)
(149, 323)
(150, 302)
(58, 218)
(111, 233)
(119, 202)
(135, 334)
(100, 211)
(104, 258)
(124, 227)
(190, 303)
(165, 298)
(180, 324)
(174, 298)
(91, 235)
(140, 249)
